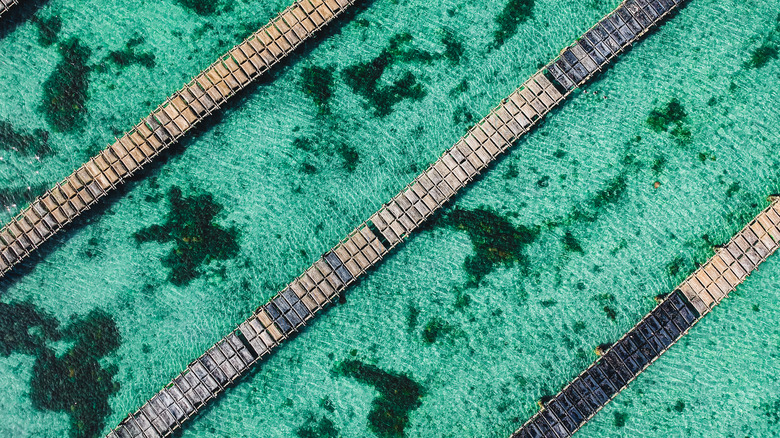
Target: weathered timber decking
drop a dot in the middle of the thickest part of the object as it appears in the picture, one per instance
(581, 399)
(6, 4)
(285, 314)
(205, 94)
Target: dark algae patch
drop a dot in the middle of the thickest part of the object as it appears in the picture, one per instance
(571, 244)
(35, 143)
(672, 113)
(65, 92)
(671, 118)
(48, 29)
(398, 396)
(434, 329)
(515, 12)
(495, 240)
(324, 428)
(732, 189)
(453, 47)
(620, 419)
(762, 55)
(200, 7)
(463, 116)
(24, 329)
(607, 303)
(349, 156)
(74, 383)
(768, 50)
(611, 193)
(771, 411)
(365, 78)
(588, 211)
(131, 55)
(327, 144)
(412, 317)
(198, 239)
(318, 82)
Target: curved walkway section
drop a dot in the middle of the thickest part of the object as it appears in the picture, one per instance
(205, 94)
(289, 311)
(581, 399)
(6, 4)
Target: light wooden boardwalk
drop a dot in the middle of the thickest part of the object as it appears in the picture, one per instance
(6, 5)
(56, 208)
(289, 311)
(581, 399)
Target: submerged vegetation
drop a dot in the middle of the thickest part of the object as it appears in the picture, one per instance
(24, 329)
(190, 224)
(672, 115)
(620, 418)
(453, 47)
(435, 328)
(48, 29)
(515, 12)
(75, 383)
(130, 55)
(365, 78)
(28, 144)
(463, 116)
(769, 49)
(607, 303)
(588, 211)
(571, 244)
(65, 92)
(200, 7)
(761, 55)
(319, 83)
(326, 144)
(324, 428)
(398, 396)
(771, 411)
(495, 240)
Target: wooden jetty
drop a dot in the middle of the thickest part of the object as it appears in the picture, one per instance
(205, 94)
(581, 399)
(6, 4)
(289, 311)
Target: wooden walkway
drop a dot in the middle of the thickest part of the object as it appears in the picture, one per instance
(50, 212)
(289, 311)
(663, 326)
(6, 5)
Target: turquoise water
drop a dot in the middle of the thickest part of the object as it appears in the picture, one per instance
(603, 241)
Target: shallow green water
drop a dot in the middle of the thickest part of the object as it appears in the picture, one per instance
(605, 241)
